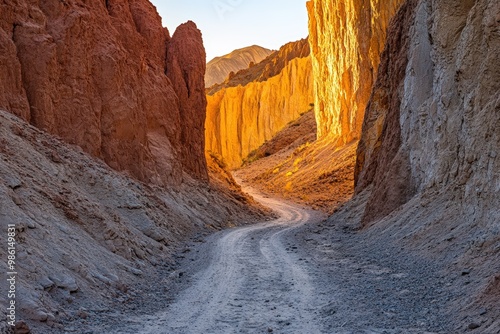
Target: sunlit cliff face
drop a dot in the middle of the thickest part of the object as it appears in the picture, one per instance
(346, 38)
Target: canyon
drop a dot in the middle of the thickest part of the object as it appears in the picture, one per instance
(347, 183)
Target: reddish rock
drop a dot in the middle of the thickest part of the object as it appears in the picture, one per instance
(253, 105)
(186, 65)
(93, 73)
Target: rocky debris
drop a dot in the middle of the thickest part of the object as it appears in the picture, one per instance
(86, 234)
(473, 325)
(93, 74)
(244, 115)
(295, 134)
(22, 327)
(218, 69)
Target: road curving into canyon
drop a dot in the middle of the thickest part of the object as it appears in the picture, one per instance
(253, 282)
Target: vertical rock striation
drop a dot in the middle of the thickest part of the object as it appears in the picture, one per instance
(94, 73)
(220, 67)
(432, 122)
(347, 38)
(255, 104)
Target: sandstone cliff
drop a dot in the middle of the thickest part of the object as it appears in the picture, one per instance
(93, 73)
(219, 68)
(256, 103)
(433, 118)
(346, 40)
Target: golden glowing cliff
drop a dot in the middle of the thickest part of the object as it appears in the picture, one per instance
(258, 102)
(346, 38)
(220, 67)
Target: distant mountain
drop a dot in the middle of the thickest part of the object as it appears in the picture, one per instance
(220, 67)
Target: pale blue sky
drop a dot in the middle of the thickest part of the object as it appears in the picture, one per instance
(231, 24)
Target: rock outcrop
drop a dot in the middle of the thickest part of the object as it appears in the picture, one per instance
(219, 68)
(432, 121)
(347, 38)
(186, 69)
(258, 102)
(428, 166)
(93, 73)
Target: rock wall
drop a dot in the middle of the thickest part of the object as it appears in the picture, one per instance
(432, 122)
(86, 234)
(186, 69)
(93, 73)
(347, 38)
(257, 103)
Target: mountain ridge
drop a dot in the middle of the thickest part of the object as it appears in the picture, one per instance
(220, 67)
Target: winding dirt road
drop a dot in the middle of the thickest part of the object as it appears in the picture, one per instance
(295, 275)
(253, 283)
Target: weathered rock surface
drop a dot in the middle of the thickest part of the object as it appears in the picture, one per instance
(240, 118)
(93, 73)
(381, 137)
(433, 119)
(219, 68)
(428, 171)
(186, 69)
(347, 38)
(87, 236)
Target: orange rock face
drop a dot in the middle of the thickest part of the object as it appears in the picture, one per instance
(347, 38)
(94, 73)
(257, 103)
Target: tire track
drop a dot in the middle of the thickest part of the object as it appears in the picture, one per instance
(253, 283)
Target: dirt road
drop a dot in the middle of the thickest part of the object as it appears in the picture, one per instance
(254, 283)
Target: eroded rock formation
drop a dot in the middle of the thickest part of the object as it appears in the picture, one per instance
(256, 103)
(186, 69)
(219, 68)
(347, 38)
(432, 121)
(93, 73)
(428, 167)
